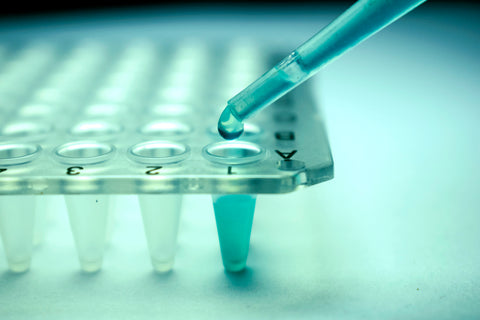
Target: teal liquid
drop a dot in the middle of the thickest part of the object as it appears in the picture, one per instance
(234, 218)
(229, 126)
(259, 94)
(360, 21)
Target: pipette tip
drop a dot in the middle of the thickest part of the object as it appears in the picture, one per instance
(229, 126)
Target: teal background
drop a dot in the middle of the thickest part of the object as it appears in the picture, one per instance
(393, 236)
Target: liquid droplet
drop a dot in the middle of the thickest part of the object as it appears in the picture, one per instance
(229, 126)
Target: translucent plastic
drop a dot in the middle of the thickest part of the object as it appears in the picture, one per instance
(160, 220)
(359, 22)
(88, 219)
(102, 123)
(234, 218)
(17, 216)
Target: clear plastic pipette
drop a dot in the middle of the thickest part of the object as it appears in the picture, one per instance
(360, 21)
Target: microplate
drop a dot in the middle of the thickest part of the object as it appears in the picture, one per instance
(89, 120)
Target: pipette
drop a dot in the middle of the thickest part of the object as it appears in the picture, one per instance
(360, 21)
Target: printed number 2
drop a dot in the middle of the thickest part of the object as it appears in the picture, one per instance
(72, 171)
(153, 170)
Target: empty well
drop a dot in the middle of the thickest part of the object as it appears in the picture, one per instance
(84, 152)
(171, 109)
(18, 153)
(97, 129)
(233, 152)
(105, 109)
(165, 129)
(29, 130)
(117, 94)
(176, 93)
(159, 152)
(37, 110)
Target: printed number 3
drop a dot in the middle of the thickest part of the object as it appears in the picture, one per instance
(72, 171)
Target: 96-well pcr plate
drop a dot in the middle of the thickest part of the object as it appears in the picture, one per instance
(90, 119)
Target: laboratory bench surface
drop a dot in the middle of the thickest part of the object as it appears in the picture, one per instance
(395, 235)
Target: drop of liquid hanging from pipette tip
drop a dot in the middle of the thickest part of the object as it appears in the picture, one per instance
(229, 126)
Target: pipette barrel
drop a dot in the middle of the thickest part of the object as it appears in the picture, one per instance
(360, 21)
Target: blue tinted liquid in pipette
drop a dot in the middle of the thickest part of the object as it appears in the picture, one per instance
(283, 77)
(229, 126)
(359, 22)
